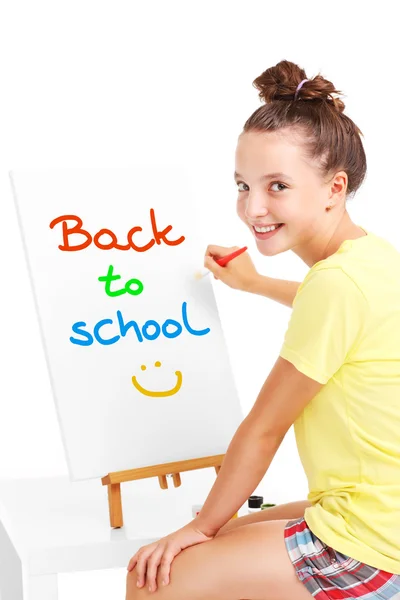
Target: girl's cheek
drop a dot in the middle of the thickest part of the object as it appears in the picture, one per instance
(240, 210)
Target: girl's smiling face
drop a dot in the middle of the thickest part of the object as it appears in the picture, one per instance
(295, 195)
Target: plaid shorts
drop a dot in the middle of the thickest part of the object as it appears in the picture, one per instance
(328, 574)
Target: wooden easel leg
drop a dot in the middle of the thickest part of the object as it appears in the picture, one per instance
(162, 480)
(176, 477)
(115, 504)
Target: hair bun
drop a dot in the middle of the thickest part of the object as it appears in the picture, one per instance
(280, 83)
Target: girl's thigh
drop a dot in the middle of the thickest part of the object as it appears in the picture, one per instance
(247, 562)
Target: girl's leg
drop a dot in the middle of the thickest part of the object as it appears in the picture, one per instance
(250, 561)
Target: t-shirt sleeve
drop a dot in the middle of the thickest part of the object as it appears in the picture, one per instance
(327, 321)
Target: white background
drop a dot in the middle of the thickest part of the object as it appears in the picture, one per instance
(110, 83)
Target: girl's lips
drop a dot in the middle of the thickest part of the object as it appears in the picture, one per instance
(264, 224)
(268, 234)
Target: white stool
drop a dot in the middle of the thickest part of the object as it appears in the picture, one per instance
(50, 526)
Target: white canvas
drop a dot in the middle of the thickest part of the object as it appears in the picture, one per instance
(110, 415)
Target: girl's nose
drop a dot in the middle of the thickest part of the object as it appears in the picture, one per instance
(255, 207)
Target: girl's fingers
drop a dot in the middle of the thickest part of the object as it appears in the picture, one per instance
(165, 566)
(132, 562)
(216, 252)
(152, 566)
(219, 251)
(141, 567)
(212, 266)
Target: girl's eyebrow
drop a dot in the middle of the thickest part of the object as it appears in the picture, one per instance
(278, 174)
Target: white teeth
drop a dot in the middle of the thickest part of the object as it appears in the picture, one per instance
(265, 229)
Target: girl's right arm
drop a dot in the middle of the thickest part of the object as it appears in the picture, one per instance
(240, 273)
(291, 510)
(281, 290)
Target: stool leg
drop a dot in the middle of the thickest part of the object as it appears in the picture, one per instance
(11, 587)
(40, 587)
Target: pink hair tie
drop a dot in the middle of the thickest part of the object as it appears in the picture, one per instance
(298, 88)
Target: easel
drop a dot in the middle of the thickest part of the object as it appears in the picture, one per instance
(114, 480)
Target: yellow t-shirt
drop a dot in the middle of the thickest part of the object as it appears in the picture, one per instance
(344, 332)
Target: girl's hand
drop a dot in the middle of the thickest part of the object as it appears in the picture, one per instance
(161, 554)
(240, 273)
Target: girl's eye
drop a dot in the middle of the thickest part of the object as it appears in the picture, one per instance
(283, 186)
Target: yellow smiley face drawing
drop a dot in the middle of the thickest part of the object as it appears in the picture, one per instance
(174, 390)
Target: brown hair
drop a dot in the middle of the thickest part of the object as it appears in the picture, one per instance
(327, 135)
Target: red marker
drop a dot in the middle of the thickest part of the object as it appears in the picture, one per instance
(223, 261)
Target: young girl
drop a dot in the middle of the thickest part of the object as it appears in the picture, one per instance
(337, 377)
